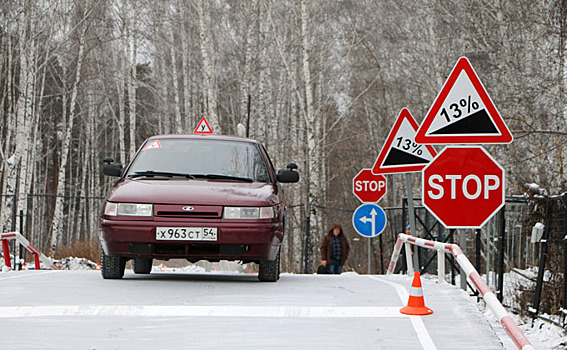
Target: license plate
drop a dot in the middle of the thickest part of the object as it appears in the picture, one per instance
(186, 233)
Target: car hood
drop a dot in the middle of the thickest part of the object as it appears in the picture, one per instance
(204, 192)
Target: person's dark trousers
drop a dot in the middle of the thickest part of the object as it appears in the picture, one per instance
(335, 267)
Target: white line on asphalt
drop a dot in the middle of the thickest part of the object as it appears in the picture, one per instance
(199, 311)
(18, 274)
(416, 321)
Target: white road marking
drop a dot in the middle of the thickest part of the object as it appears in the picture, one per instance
(198, 311)
(28, 274)
(416, 321)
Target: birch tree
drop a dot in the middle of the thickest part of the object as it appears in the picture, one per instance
(313, 125)
(209, 81)
(131, 80)
(178, 128)
(57, 222)
(17, 163)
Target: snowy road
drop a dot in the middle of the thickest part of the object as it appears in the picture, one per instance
(80, 310)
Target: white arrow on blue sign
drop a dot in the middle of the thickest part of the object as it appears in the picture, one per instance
(369, 220)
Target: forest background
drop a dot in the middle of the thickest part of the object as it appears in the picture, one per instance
(319, 82)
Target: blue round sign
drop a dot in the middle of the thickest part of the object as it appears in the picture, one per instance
(369, 220)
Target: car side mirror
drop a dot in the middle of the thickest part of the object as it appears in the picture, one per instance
(111, 169)
(287, 175)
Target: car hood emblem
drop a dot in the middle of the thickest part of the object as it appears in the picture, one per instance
(188, 208)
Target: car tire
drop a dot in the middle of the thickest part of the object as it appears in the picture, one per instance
(112, 267)
(269, 271)
(142, 265)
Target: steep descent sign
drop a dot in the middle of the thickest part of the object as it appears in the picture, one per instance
(463, 113)
(203, 127)
(400, 153)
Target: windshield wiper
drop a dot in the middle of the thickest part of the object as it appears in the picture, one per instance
(160, 173)
(222, 177)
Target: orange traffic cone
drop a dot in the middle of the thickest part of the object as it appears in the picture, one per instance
(97, 266)
(24, 266)
(416, 303)
(162, 267)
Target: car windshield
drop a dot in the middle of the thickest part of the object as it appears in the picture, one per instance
(200, 159)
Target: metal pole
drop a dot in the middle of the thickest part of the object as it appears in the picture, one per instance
(440, 265)
(412, 219)
(463, 244)
(565, 271)
(565, 264)
(248, 118)
(403, 252)
(477, 250)
(409, 263)
(501, 240)
(369, 256)
(488, 261)
(307, 242)
(451, 237)
(13, 226)
(382, 256)
(21, 253)
(542, 258)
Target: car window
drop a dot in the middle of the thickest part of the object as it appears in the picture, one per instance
(269, 160)
(202, 157)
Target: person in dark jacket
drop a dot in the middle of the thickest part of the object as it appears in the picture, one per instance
(334, 249)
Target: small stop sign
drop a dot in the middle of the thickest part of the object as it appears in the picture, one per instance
(463, 187)
(368, 187)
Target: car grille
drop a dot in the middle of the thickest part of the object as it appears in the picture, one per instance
(188, 211)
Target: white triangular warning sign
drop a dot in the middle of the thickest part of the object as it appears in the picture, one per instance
(152, 145)
(203, 127)
(463, 113)
(400, 153)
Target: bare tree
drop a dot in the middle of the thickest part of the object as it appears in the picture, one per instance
(66, 142)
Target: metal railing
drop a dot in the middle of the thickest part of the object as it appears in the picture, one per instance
(446, 248)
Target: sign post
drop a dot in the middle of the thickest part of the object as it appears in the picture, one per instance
(401, 154)
(369, 188)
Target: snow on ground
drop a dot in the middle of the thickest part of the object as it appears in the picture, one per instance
(545, 334)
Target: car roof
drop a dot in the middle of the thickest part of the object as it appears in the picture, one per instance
(197, 136)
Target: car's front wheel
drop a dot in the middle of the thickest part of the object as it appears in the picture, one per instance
(142, 265)
(269, 271)
(112, 267)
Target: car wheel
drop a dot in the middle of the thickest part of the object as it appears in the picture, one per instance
(112, 267)
(269, 271)
(142, 265)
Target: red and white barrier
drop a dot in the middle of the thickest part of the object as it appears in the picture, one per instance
(38, 256)
(491, 301)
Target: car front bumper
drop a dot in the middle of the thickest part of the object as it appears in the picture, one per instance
(245, 241)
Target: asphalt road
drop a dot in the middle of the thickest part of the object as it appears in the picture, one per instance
(172, 310)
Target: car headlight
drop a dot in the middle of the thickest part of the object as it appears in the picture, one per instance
(128, 209)
(248, 213)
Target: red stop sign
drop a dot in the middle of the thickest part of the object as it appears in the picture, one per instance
(367, 187)
(463, 187)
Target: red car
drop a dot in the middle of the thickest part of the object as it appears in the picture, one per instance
(194, 197)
